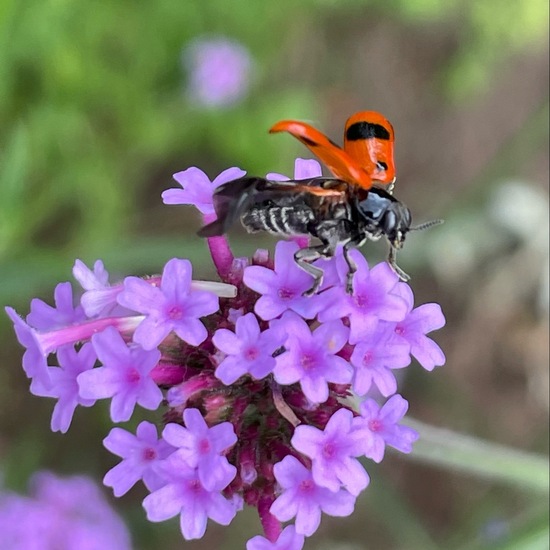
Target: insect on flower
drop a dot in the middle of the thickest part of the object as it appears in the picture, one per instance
(347, 209)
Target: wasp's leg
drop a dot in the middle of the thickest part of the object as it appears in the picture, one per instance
(305, 256)
(355, 242)
(392, 261)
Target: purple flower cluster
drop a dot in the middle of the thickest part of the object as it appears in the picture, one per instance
(258, 383)
(68, 513)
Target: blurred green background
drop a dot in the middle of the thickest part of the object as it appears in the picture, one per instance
(95, 117)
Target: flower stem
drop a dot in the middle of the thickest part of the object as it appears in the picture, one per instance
(454, 451)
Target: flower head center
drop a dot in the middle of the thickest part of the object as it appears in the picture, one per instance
(204, 446)
(375, 425)
(362, 300)
(285, 293)
(308, 361)
(251, 354)
(149, 454)
(329, 449)
(133, 375)
(367, 358)
(399, 330)
(307, 486)
(175, 313)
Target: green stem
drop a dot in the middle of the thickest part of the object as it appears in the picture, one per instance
(454, 451)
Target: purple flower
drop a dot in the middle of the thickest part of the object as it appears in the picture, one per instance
(202, 447)
(372, 299)
(302, 498)
(219, 71)
(288, 540)
(303, 169)
(197, 189)
(65, 513)
(139, 455)
(124, 376)
(34, 360)
(282, 288)
(45, 317)
(172, 307)
(416, 325)
(373, 360)
(63, 385)
(248, 350)
(333, 451)
(99, 296)
(185, 494)
(382, 423)
(311, 357)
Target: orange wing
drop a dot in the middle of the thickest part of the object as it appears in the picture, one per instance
(367, 156)
(338, 161)
(369, 139)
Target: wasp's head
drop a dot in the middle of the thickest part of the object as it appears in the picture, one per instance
(396, 223)
(385, 215)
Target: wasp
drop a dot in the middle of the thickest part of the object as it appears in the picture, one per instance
(345, 210)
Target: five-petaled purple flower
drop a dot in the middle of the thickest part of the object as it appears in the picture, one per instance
(184, 494)
(64, 386)
(372, 299)
(139, 455)
(202, 447)
(303, 499)
(333, 452)
(124, 376)
(414, 327)
(173, 306)
(382, 423)
(197, 189)
(282, 288)
(248, 350)
(312, 358)
(373, 361)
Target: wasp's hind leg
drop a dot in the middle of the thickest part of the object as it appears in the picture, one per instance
(304, 257)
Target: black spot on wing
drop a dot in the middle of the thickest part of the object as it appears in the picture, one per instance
(366, 130)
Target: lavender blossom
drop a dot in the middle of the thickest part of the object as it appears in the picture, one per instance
(63, 384)
(282, 287)
(303, 499)
(197, 189)
(248, 350)
(173, 306)
(312, 358)
(202, 447)
(68, 513)
(140, 453)
(219, 71)
(184, 494)
(124, 376)
(288, 540)
(333, 453)
(382, 423)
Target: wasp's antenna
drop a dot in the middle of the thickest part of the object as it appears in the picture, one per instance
(426, 225)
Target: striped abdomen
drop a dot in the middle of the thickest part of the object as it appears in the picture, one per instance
(279, 220)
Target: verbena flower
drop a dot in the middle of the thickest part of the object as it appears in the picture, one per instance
(60, 513)
(258, 384)
(219, 71)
